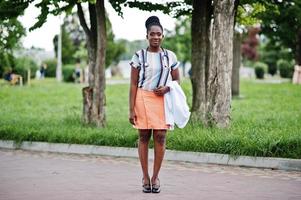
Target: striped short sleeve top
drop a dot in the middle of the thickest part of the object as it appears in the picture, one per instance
(154, 67)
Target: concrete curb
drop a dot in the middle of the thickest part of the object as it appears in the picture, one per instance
(208, 158)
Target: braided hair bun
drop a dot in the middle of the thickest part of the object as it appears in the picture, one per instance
(153, 21)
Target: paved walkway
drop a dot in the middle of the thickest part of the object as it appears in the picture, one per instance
(51, 176)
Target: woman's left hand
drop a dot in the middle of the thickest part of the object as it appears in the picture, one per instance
(160, 91)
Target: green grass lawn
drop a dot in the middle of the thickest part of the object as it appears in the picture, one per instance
(266, 121)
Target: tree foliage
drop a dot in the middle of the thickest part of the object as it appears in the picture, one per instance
(10, 9)
(180, 40)
(74, 42)
(280, 22)
(249, 45)
(68, 46)
(72, 36)
(247, 13)
(114, 48)
(11, 31)
(283, 25)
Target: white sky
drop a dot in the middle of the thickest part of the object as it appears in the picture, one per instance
(131, 27)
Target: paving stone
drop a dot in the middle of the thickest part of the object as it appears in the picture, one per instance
(30, 175)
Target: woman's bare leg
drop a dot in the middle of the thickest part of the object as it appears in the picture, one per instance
(144, 137)
(159, 148)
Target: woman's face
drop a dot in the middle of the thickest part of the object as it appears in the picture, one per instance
(154, 36)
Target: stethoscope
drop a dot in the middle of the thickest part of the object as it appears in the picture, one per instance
(161, 59)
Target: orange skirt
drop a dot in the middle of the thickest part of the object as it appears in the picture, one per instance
(149, 109)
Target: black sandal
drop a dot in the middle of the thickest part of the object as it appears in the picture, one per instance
(156, 187)
(146, 187)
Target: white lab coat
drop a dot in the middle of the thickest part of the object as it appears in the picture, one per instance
(175, 106)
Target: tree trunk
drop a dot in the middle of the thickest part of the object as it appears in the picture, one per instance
(200, 56)
(87, 93)
(94, 94)
(92, 44)
(236, 64)
(219, 80)
(98, 107)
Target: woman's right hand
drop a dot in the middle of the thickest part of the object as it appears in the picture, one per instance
(132, 117)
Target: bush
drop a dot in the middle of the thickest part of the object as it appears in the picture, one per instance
(23, 64)
(51, 67)
(286, 69)
(259, 72)
(260, 69)
(272, 68)
(270, 57)
(68, 71)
